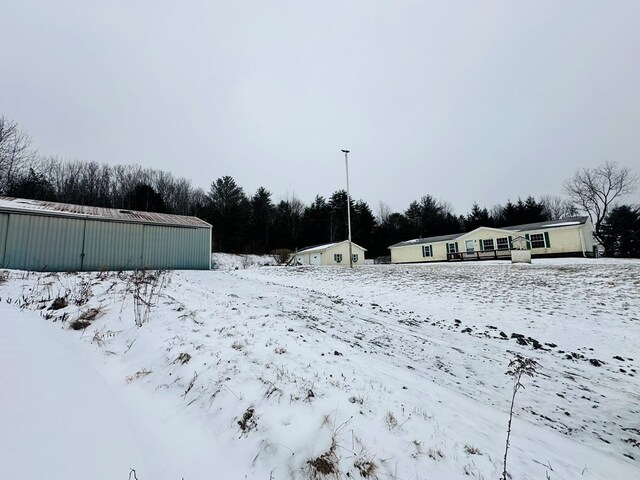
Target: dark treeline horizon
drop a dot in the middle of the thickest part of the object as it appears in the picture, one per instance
(249, 222)
(256, 223)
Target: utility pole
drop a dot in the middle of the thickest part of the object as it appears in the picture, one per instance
(346, 164)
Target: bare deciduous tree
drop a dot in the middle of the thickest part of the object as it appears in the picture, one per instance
(557, 207)
(595, 190)
(384, 212)
(15, 153)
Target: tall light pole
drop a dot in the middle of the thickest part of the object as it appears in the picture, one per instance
(346, 164)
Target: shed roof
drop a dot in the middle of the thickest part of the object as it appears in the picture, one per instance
(326, 246)
(38, 207)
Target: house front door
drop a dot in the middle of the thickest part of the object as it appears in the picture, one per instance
(469, 246)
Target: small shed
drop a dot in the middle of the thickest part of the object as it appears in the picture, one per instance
(521, 249)
(51, 237)
(329, 254)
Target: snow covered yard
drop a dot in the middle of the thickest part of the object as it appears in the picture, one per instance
(377, 372)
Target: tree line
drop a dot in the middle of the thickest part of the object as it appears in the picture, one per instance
(256, 223)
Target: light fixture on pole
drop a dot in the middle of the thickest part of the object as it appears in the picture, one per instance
(346, 164)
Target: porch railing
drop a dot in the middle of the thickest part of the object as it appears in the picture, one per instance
(480, 255)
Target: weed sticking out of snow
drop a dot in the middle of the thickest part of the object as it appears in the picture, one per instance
(58, 303)
(326, 464)
(518, 367)
(249, 420)
(145, 288)
(4, 276)
(183, 358)
(471, 450)
(138, 375)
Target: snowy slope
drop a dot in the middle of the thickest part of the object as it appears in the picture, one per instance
(380, 372)
(45, 386)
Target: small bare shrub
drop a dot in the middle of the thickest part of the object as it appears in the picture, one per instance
(281, 255)
(246, 261)
(391, 420)
(83, 293)
(145, 287)
(280, 350)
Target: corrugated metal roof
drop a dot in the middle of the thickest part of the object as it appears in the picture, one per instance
(517, 228)
(565, 222)
(419, 241)
(37, 207)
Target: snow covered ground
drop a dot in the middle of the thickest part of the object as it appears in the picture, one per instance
(225, 261)
(387, 371)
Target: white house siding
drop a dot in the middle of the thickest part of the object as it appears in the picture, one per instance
(564, 240)
(571, 238)
(480, 234)
(343, 249)
(414, 253)
(327, 255)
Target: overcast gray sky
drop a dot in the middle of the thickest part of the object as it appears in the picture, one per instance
(464, 100)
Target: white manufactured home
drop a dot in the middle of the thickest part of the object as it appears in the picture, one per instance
(329, 254)
(562, 238)
(53, 237)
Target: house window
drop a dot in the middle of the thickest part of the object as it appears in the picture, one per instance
(427, 251)
(355, 258)
(337, 257)
(487, 244)
(452, 247)
(503, 243)
(537, 240)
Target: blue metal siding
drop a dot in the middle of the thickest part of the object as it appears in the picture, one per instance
(112, 246)
(179, 248)
(42, 243)
(47, 243)
(4, 228)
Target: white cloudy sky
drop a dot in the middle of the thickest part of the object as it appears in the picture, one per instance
(465, 100)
